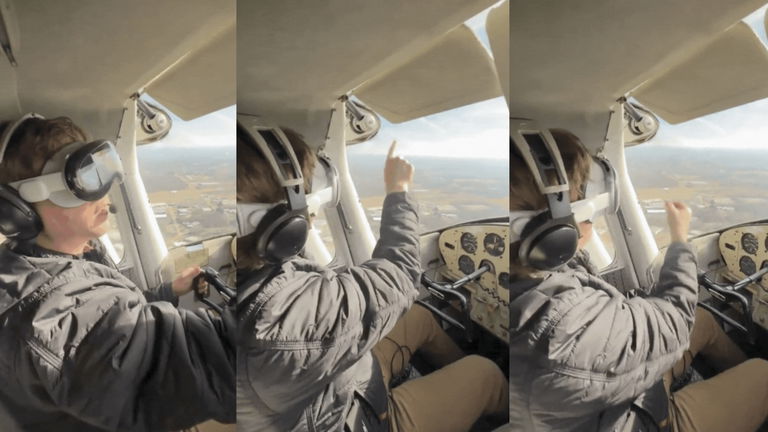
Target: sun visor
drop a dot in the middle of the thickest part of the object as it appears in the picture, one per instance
(201, 82)
(728, 72)
(497, 27)
(454, 72)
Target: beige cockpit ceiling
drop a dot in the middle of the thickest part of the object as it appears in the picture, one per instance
(296, 58)
(85, 58)
(683, 59)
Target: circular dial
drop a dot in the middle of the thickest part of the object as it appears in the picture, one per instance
(469, 243)
(504, 280)
(749, 243)
(494, 244)
(747, 266)
(466, 265)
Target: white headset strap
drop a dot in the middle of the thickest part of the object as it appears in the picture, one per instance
(249, 215)
(40, 188)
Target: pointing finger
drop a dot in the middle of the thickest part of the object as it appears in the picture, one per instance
(392, 148)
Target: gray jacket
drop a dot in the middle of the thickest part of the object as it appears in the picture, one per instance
(83, 350)
(581, 352)
(308, 332)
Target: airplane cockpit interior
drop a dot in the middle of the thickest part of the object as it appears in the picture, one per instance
(630, 93)
(394, 71)
(124, 76)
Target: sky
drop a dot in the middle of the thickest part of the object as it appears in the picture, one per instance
(745, 126)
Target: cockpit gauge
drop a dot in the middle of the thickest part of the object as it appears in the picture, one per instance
(504, 280)
(466, 248)
(747, 265)
(469, 243)
(466, 265)
(494, 244)
(749, 243)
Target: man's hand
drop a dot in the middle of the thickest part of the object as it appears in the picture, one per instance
(398, 172)
(678, 219)
(183, 284)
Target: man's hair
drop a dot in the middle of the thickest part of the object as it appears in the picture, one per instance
(33, 143)
(524, 193)
(258, 183)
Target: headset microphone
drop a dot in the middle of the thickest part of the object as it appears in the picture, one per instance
(77, 173)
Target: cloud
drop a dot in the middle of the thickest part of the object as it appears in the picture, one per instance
(216, 129)
(740, 127)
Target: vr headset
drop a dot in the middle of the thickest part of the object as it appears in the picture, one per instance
(549, 238)
(281, 229)
(76, 174)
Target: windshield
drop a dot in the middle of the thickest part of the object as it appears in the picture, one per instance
(716, 164)
(461, 159)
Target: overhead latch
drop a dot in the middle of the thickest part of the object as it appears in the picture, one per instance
(155, 122)
(363, 123)
(640, 124)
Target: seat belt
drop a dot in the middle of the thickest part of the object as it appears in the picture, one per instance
(648, 413)
(653, 407)
(370, 406)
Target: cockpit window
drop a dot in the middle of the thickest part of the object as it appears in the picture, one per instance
(461, 158)
(189, 178)
(715, 164)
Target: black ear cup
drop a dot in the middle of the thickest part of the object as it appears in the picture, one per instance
(281, 234)
(18, 219)
(548, 243)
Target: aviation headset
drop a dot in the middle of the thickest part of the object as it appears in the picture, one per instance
(282, 229)
(550, 238)
(77, 173)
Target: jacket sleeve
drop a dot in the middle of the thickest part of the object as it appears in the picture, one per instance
(332, 320)
(164, 292)
(609, 349)
(110, 359)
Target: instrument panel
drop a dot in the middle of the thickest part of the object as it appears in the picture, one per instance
(745, 251)
(466, 248)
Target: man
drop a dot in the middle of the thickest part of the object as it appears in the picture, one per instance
(320, 350)
(83, 348)
(587, 358)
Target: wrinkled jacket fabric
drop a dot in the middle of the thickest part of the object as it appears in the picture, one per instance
(581, 352)
(308, 332)
(84, 350)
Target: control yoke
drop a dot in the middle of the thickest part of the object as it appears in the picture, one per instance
(449, 292)
(725, 293)
(203, 292)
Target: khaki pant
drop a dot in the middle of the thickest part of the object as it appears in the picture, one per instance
(449, 399)
(735, 400)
